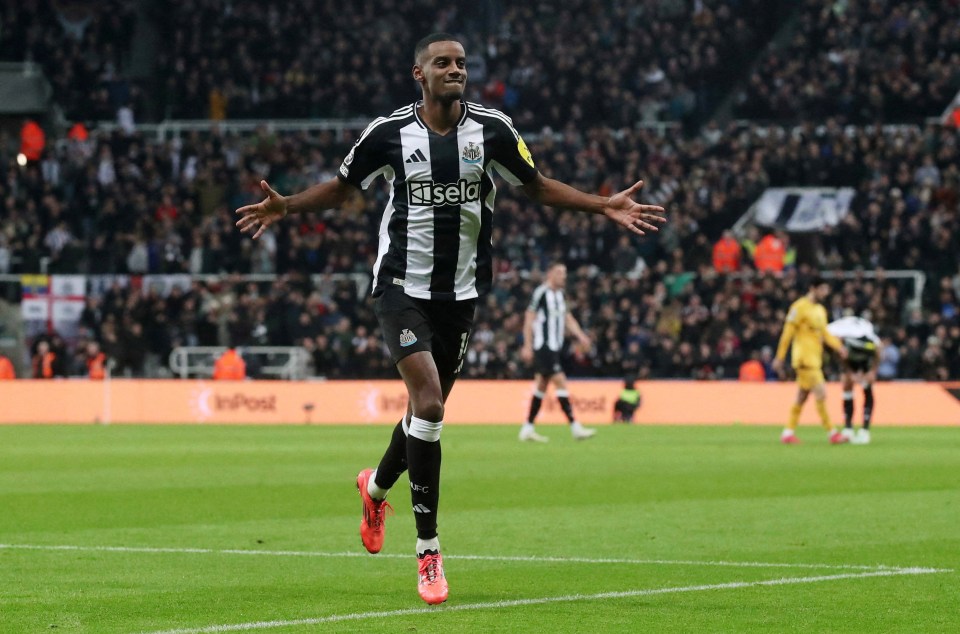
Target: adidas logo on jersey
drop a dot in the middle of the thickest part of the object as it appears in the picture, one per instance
(416, 157)
(431, 193)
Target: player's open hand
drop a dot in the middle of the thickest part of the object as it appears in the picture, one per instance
(526, 354)
(264, 213)
(622, 209)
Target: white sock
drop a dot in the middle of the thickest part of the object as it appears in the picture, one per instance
(787, 432)
(576, 426)
(528, 426)
(373, 490)
(424, 545)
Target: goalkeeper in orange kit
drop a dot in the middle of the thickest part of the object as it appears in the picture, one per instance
(806, 330)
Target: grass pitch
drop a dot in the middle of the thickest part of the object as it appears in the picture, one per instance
(644, 528)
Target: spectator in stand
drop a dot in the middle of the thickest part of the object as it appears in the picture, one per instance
(44, 361)
(229, 366)
(752, 369)
(879, 60)
(95, 361)
(6, 369)
(726, 254)
(771, 253)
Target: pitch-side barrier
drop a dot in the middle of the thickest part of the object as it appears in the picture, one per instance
(472, 402)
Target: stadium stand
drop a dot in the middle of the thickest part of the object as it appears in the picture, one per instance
(126, 203)
(862, 60)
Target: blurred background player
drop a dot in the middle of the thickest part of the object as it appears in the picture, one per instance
(806, 330)
(627, 403)
(863, 357)
(544, 327)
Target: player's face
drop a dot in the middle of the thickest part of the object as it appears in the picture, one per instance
(822, 291)
(558, 276)
(442, 71)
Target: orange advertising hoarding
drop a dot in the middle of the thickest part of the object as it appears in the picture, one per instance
(472, 402)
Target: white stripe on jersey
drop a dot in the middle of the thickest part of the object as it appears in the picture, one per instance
(383, 242)
(853, 328)
(470, 132)
(420, 229)
(495, 113)
(397, 114)
(551, 309)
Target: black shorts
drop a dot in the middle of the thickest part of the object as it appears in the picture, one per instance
(857, 365)
(411, 325)
(546, 362)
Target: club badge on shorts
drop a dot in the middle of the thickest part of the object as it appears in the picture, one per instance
(407, 338)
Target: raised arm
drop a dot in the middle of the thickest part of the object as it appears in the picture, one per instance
(620, 207)
(274, 207)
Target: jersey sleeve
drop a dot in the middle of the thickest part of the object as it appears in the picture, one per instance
(535, 299)
(367, 159)
(789, 329)
(511, 157)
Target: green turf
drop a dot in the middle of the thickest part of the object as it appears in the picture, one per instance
(697, 494)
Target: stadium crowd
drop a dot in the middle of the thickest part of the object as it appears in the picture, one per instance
(123, 203)
(658, 324)
(862, 60)
(655, 60)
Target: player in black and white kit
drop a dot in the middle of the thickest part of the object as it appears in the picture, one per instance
(544, 327)
(434, 260)
(863, 356)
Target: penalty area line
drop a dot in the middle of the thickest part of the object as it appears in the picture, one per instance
(358, 616)
(534, 559)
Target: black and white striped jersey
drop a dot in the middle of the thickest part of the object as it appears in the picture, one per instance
(551, 309)
(435, 234)
(858, 336)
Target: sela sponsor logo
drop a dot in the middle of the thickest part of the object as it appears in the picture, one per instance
(431, 193)
(472, 153)
(407, 338)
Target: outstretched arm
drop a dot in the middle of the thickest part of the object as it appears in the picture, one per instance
(620, 207)
(274, 207)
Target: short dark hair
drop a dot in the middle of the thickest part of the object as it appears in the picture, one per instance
(817, 280)
(425, 43)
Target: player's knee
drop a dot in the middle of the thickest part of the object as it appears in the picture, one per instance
(429, 407)
(426, 430)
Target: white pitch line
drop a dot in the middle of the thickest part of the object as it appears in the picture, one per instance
(357, 616)
(505, 558)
